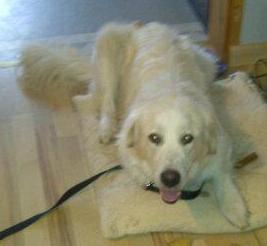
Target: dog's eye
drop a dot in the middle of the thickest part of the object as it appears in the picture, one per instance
(155, 138)
(186, 139)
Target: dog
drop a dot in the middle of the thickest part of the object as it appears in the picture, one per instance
(151, 86)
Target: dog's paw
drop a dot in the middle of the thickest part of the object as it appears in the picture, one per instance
(107, 130)
(237, 214)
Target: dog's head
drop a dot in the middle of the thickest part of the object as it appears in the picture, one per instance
(167, 143)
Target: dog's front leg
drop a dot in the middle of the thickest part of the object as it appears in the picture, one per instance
(230, 200)
(110, 58)
(108, 121)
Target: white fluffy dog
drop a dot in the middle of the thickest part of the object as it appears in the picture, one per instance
(152, 88)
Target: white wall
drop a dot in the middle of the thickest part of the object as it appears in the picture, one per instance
(254, 26)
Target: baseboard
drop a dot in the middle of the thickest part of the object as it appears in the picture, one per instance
(244, 57)
(247, 54)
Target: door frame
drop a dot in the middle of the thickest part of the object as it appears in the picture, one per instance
(225, 19)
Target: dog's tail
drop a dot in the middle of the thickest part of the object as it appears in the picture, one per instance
(53, 74)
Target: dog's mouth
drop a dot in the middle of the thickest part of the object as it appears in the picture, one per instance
(170, 196)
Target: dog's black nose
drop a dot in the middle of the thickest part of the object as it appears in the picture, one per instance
(170, 177)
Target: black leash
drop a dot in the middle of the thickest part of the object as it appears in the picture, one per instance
(186, 195)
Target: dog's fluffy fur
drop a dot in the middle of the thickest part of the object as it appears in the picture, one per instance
(148, 80)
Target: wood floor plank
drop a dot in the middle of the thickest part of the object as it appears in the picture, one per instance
(28, 177)
(199, 242)
(66, 123)
(244, 239)
(261, 235)
(6, 185)
(54, 184)
(168, 238)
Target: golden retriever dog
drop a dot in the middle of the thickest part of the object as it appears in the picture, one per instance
(151, 87)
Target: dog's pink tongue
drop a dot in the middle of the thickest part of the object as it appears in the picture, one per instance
(170, 196)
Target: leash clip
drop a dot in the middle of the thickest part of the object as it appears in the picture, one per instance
(148, 185)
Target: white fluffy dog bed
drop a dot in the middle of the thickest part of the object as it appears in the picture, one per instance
(127, 209)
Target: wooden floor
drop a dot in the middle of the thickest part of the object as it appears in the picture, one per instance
(41, 155)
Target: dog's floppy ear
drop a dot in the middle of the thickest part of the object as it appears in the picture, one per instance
(206, 144)
(210, 137)
(128, 134)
